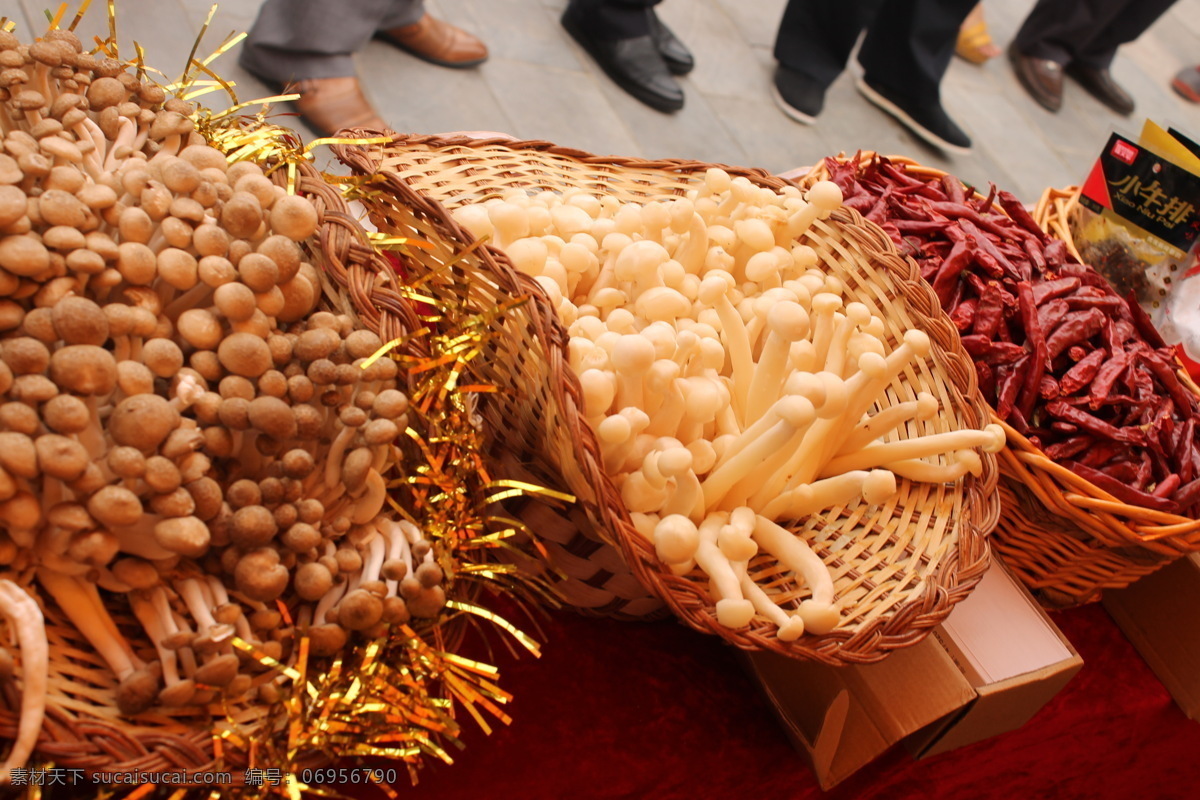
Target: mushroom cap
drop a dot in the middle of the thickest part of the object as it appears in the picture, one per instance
(137, 692)
(143, 421)
(252, 526)
(260, 576)
(219, 671)
(244, 354)
(313, 581)
(326, 640)
(187, 536)
(79, 320)
(115, 506)
(273, 417)
(61, 457)
(18, 455)
(294, 217)
(135, 572)
(359, 610)
(84, 369)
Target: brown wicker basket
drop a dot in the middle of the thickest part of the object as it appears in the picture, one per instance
(83, 728)
(897, 570)
(1064, 537)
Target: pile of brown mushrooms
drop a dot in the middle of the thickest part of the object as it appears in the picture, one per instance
(183, 435)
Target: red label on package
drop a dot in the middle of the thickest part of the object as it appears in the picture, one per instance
(1124, 151)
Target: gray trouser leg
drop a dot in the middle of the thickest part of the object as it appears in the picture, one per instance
(297, 39)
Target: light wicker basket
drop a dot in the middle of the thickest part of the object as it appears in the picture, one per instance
(898, 569)
(1067, 539)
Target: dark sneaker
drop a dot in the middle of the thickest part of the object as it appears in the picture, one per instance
(797, 95)
(929, 123)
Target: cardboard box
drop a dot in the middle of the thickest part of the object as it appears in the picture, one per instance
(1011, 654)
(1160, 615)
(844, 717)
(987, 670)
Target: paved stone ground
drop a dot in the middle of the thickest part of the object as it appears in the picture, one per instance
(539, 84)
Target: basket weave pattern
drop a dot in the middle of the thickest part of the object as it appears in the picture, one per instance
(897, 569)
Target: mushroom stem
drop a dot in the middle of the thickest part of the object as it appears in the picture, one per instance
(964, 461)
(30, 628)
(887, 420)
(368, 506)
(991, 439)
(794, 413)
(152, 623)
(790, 627)
(733, 610)
(818, 613)
(96, 626)
(192, 593)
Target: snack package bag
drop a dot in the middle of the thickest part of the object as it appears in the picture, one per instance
(1138, 224)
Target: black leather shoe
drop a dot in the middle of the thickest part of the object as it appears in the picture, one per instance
(634, 64)
(674, 52)
(1100, 85)
(1042, 78)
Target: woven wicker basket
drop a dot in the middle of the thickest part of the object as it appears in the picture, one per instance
(1064, 537)
(897, 570)
(83, 728)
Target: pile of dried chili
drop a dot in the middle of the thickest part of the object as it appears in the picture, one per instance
(1061, 357)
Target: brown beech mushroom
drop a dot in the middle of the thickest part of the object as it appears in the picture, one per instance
(260, 576)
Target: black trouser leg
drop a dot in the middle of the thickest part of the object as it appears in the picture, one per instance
(909, 45)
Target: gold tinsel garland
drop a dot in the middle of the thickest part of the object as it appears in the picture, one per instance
(394, 699)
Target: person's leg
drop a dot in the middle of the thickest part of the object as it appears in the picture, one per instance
(1121, 27)
(627, 42)
(308, 46)
(814, 41)
(815, 37)
(1092, 57)
(294, 40)
(410, 28)
(904, 55)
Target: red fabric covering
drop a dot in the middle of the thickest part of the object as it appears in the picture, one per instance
(654, 710)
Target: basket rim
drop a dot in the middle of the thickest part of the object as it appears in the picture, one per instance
(954, 579)
(1179, 533)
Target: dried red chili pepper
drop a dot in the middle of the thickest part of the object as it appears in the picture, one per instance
(1048, 290)
(1106, 376)
(1124, 493)
(1017, 213)
(1082, 373)
(1076, 327)
(1009, 386)
(1037, 341)
(1167, 486)
(990, 311)
(963, 314)
(1051, 312)
(1092, 424)
(1067, 448)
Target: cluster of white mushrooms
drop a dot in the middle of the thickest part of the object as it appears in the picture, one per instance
(183, 435)
(727, 377)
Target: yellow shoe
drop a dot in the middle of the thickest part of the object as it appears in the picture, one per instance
(974, 41)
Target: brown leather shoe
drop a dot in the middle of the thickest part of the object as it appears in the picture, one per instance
(1100, 85)
(331, 104)
(1042, 78)
(438, 42)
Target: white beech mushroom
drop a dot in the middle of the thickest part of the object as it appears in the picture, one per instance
(706, 325)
